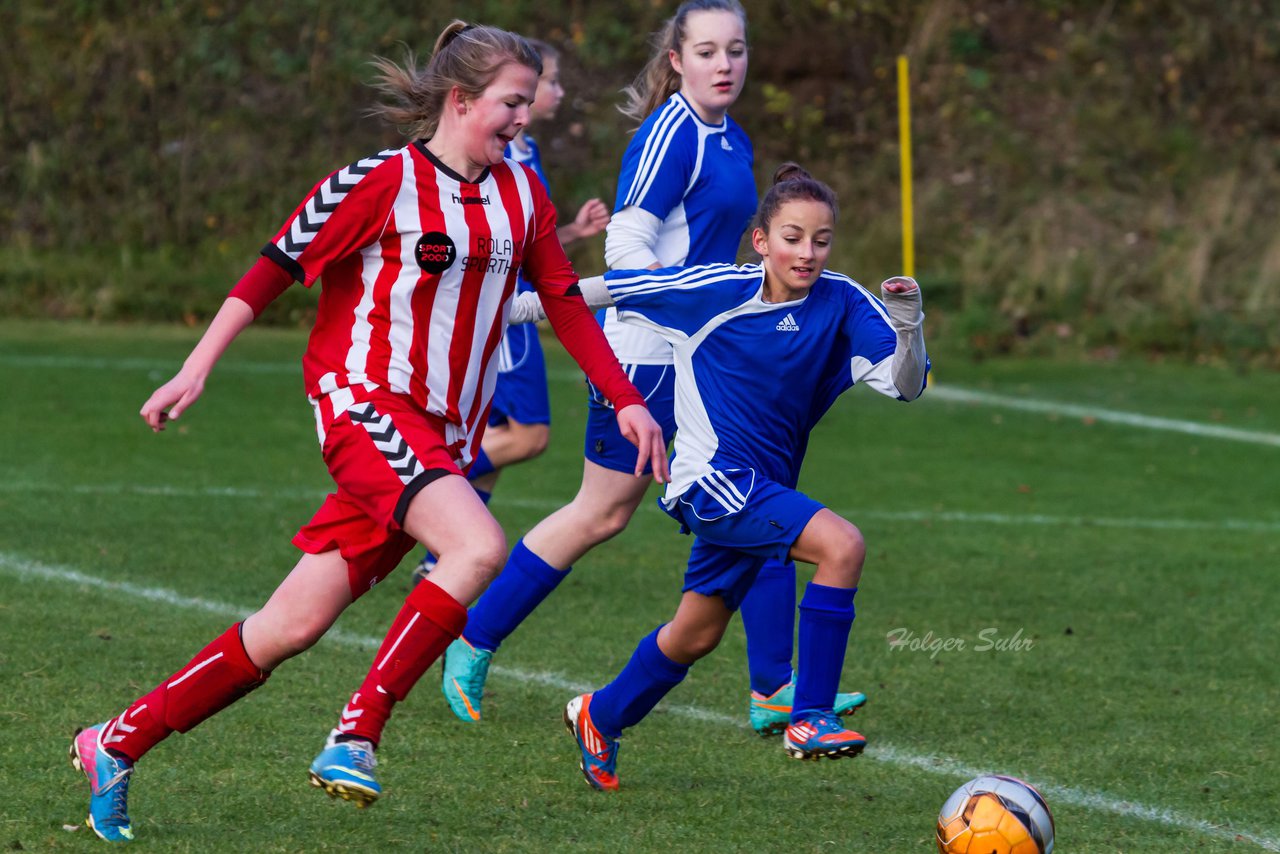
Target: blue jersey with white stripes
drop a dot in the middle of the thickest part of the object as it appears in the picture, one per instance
(697, 180)
(752, 377)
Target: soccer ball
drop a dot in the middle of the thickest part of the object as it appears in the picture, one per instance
(995, 815)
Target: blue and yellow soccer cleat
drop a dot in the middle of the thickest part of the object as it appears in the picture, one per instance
(465, 670)
(422, 570)
(821, 737)
(772, 714)
(108, 785)
(344, 769)
(599, 760)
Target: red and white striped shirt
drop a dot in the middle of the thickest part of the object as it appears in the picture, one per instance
(419, 268)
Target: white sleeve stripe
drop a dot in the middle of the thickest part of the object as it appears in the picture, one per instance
(655, 150)
(668, 115)
(687, 279)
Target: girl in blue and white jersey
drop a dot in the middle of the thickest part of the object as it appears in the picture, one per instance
(788, 332)
(686, 195)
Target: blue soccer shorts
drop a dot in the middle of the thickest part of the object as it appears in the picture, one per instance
(604, 444)
(739, 520)
(520, 394)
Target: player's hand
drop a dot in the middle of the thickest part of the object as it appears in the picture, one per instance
(592, 218)
(171, 400)
(904, 303)
(638, 427)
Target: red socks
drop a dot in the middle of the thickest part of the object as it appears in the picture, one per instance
(429, 621)
(220, 674)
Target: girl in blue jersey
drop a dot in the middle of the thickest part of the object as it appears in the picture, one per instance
(520, 420)
(789, 333)
(686, 194)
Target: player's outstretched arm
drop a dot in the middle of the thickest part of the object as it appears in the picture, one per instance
(638, 427)
(527, 307)
(904, 303)
(172, 399)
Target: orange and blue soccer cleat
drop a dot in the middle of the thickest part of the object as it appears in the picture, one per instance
(599, 761)
(821, 736)
(770, 715)
(344, 769)
(108, 785)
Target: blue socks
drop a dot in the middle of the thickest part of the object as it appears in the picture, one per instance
(480, 466)
(520, 588)
(826, 616)
(633, 693)
(768, 616)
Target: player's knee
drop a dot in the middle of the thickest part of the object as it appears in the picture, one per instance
(847, 551)
(534, 440)
(296, 636)
(485, 553)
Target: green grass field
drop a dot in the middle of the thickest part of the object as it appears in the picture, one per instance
(1129, 569)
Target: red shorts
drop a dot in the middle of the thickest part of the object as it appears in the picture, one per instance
(381, 454)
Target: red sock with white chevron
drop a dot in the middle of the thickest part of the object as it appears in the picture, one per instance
(429, 621)
(220, 674)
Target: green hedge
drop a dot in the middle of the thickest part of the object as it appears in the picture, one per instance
(1088, 175)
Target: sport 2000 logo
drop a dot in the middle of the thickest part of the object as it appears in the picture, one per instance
(435, 252)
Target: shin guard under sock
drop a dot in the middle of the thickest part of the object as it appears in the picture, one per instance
(648, 677)
(220, 674)
(826, 616)
(430, 620)
(769, 620)
(519, 589)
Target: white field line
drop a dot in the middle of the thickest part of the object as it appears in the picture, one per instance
(26, 570)
(1128, 419)
(948, 393)
(1259, 526)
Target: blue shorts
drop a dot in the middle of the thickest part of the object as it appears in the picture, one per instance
(604, 444)
(521, 391)
(740, 520)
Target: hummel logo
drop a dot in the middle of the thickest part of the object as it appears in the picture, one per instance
(788, 324)
(469, 200)
(724, 143)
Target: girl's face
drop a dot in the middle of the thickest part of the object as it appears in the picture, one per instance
(712, 62)
(501, 111)
(550, 93)
(795, 249)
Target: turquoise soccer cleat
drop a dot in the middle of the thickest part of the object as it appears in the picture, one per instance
(772, 714)
(465, 670)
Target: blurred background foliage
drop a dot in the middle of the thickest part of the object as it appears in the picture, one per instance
(1091, 177)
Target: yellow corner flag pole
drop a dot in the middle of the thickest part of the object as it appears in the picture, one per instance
(904, 147)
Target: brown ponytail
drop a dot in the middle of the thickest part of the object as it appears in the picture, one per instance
(468, 56)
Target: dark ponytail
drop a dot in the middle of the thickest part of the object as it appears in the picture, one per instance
(791, 183)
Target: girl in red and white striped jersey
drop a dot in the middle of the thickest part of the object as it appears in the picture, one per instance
(418, 250)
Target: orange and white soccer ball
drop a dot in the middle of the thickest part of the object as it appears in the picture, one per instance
(995, 815)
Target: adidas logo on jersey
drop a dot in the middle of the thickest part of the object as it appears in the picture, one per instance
(724, 143)
(788, 324)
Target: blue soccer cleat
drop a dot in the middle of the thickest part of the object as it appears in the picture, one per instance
(108, 785)
(771, 714)
(465, 670)
(821, 736)
(599, 755)
(344, 769)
